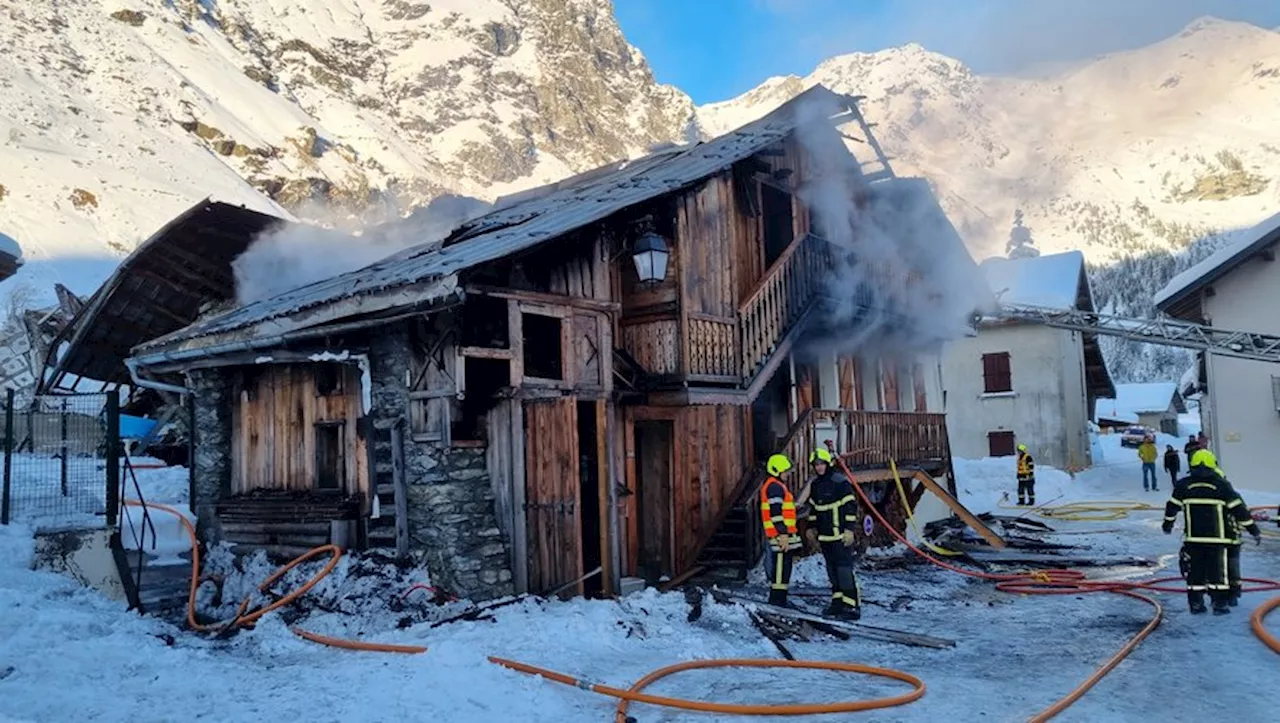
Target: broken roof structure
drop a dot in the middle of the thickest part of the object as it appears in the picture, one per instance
(159, 288)
(1180, 298)
(427, 275)
(1055, 281)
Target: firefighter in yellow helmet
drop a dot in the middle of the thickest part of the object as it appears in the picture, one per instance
(833, 516)
(1207, 500)
(778, 513)
(1026, 477)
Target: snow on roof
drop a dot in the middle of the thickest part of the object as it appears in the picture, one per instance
(1243, 244)
(1189, 383)
(1051, 281)
(534, 218)
(10, 247)
(1134, 399)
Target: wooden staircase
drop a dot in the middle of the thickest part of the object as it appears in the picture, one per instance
(865, 440)
(388, 526)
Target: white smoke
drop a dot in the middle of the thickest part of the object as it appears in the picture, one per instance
(904, 282)
(295, 255)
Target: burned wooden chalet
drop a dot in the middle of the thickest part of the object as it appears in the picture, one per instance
(587, 377)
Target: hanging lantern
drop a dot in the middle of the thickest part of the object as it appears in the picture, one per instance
(650, 254)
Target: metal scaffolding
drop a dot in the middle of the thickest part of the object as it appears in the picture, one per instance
(1208, 339)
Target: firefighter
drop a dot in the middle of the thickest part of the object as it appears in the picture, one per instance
(833, 515)
(1190, 448)
(1206, 498)
(778, 512)
(1026, 477)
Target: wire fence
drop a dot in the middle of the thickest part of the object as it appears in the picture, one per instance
(59, 461)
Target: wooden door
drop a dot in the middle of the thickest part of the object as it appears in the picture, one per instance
(552, 519)
(655, 465)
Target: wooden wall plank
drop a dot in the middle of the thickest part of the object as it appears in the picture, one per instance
(604, 483)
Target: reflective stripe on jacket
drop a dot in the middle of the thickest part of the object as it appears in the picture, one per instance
(777, 508)
(1207, 501)
(1026, 467)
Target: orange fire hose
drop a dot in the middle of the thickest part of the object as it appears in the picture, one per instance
(633, 694)
(245, 618)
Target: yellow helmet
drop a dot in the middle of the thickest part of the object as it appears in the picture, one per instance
(820, 455)
(778, 464)
(1204, 458)
(1022, 448)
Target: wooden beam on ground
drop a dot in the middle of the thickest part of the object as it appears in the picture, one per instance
(970, 519)
(862, 630)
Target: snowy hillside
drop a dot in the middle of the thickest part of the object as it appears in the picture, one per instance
(1130, 152)
(117, 114)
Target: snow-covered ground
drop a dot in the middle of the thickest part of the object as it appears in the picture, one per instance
(70, 654)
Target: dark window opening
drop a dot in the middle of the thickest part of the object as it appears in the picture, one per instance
(996, 375)
(331, 468)
(329, 380)
(778, 224)
(655, 449)
(484, 379)
(1000, 444)
(589, 496)
(542, 358)
(484, 323)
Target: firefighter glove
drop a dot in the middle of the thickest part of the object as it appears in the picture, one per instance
(848, 538)
(1167, 526)
(811, 535)
(1257, 536)
(782, 542)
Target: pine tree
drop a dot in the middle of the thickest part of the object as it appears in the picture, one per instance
(1020, 245)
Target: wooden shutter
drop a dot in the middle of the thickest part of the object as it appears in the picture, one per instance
(848, 379)
(917, 381)
(996, 376)
(1000, 444)
(889, 379)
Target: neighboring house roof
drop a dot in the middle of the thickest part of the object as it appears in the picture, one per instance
(1136, 399)
(1108, 414)
(527, 220)
(157, 289)
(1055, 281)
(1180, 297)
(1051, 281)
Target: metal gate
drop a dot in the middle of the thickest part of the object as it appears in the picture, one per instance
(61, 460)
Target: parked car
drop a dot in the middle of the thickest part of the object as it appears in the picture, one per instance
(1133, 436)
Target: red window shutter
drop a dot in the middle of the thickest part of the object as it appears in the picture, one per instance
(889, 377)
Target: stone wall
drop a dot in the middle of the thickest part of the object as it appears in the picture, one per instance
(452, 524)
(211, 466)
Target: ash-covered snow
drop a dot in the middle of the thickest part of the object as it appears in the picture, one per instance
(70, 654)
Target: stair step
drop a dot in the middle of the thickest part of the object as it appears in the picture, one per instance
(382, 533)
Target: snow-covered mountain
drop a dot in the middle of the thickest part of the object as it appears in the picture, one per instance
(1126, 153)
(117, 114)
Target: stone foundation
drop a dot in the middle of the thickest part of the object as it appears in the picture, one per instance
(452, 524)
(211, 465)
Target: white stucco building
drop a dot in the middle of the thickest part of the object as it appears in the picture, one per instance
(1238, 287)
(1013, 382)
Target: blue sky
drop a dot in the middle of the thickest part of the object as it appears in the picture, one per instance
(716, 49)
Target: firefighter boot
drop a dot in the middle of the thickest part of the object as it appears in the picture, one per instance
(1221, 602)
(1196, 600)
(778, 598)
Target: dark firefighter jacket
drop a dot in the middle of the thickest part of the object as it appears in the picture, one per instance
(1207, 501)
(1026, 467)
(833, 506)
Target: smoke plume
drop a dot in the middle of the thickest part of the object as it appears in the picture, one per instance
(904, 282)
(295, 255)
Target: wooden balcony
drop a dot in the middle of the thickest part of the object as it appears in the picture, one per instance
(870, 439)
